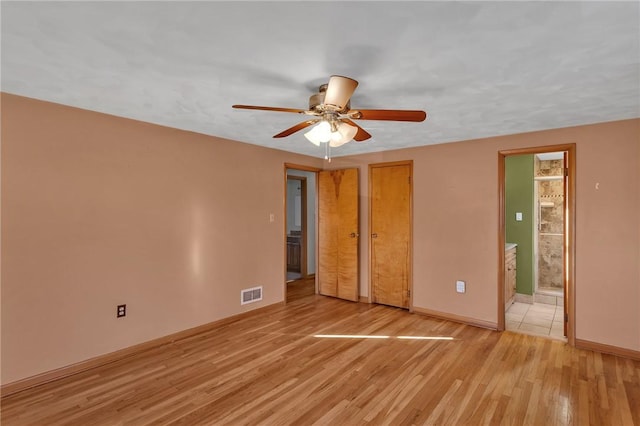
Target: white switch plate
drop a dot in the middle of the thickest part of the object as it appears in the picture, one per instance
(519, 216)
(272, 217)
(461, 286)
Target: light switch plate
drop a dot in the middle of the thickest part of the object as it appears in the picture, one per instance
(461, 286)
(519, 216)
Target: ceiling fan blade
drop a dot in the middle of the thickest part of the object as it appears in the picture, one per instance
(362, 134)
(339, 91)
(296, 128)
(266, 108)
(388, 114)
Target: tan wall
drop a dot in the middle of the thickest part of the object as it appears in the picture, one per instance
(99, 210)
(455, 227)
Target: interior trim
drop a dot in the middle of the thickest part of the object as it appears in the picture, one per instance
(608, 349)
(456, 318)
(301, 167)
(100, 360)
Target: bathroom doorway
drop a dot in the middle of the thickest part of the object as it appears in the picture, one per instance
(300, 231)
(296, 227)
(536, 241)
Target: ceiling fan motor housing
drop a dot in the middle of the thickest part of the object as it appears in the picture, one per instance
(316, 102)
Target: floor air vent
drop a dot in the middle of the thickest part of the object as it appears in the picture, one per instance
(250, 295)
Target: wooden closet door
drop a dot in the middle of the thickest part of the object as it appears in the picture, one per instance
(390, 198)
(338, 233)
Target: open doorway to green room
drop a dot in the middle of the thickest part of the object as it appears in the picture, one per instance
(537, 211)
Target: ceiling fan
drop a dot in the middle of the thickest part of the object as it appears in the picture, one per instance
(331, 109)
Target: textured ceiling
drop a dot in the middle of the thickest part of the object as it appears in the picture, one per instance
(479, 69)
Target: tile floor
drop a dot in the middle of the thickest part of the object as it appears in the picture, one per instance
(538, 318)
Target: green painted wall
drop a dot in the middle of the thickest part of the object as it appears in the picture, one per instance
(519, 198)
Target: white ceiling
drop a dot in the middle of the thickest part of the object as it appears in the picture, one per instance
(479, 68)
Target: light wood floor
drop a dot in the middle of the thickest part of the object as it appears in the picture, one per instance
(300, 288)
(269, 368)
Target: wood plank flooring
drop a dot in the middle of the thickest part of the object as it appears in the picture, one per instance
(270, 368)
(300, 288)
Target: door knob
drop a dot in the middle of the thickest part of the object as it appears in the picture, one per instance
(353, 235)
(374, 235)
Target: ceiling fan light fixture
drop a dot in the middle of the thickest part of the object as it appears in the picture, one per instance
(334, 143)
(310, 135)
(343, 134)
(336, 134)
(321, 133)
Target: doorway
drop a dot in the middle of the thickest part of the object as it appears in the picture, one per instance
(536, 235)
(296, 227)
(300, 231)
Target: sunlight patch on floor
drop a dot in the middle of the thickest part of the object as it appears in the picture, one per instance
(369, 336)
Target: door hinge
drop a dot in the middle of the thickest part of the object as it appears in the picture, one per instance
(566, 317)
(408, 293)
(566, 172)
(409, 179)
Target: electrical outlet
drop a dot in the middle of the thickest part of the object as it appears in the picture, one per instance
(122, 311)
(461, 286)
